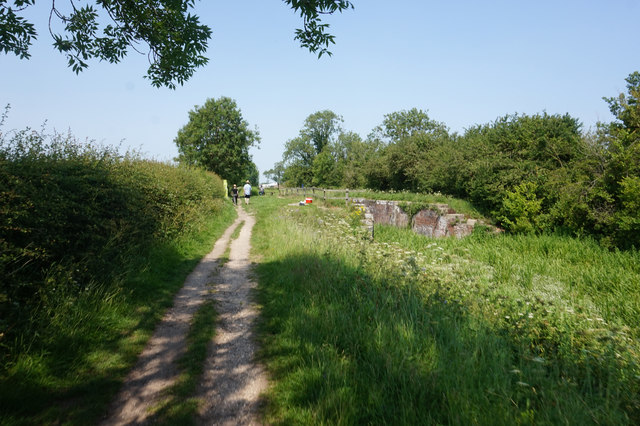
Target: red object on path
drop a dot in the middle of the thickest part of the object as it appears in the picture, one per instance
(308, 200)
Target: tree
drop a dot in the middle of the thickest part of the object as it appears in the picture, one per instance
(251, 173)
(402, 124)
(276, 174)
(359, 154)
(626, 108)
(176, 40)
(621, 176)
(321, 128)
(218, 139)
(299, 150)
(325, 170)
(407, 138)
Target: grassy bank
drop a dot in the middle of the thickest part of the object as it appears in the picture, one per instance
(407, 330)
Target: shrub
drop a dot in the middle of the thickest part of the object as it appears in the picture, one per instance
(521, 209)
(73, 214)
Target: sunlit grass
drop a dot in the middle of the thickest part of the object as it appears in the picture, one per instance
(408, 330)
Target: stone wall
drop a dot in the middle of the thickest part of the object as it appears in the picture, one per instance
(438, 221)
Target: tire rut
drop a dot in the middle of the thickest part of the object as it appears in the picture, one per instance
(232, 381)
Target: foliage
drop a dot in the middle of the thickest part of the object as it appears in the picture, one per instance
(72, 214)
(626, 107)
(69, 369)
(400, 125)
(313, 35)
(218, 139)
(595, 195)
(94, 245)
(15, 31)
(514, 149)
(629, 214)
(521, 209)
(324, 171)
(356, 155)
(409, 138)
(252, 174)
(276, 173)
(298, 159)
(321, 128)
(317, 138)
(175, 38)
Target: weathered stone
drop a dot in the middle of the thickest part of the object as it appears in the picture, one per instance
(437, 222)
(387, 212)
(425, 222)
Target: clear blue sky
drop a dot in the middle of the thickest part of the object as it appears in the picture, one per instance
(465, 62)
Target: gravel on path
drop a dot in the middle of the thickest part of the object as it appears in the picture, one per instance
(232, 380)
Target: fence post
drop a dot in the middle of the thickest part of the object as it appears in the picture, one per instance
(324, 195)
(347, 200)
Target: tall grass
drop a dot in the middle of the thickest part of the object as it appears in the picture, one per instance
(94, 246)
(407, 330)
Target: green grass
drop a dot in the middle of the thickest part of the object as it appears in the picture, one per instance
(407, 330)
(79, 362)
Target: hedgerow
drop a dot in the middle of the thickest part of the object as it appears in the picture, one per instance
(73, 215)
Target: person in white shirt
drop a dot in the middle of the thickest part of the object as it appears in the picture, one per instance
(247, 192)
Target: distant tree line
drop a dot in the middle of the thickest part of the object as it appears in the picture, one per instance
(531, 173)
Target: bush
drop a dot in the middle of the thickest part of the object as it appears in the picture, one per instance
(73, 214)
(521, 209)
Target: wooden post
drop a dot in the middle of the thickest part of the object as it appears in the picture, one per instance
(347, 200)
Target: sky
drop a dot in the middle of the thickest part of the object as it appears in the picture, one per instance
(463, 62)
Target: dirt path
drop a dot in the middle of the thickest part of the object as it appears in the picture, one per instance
(232, 381)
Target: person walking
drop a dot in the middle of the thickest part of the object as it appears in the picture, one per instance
(247, 192)
(234, 194)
